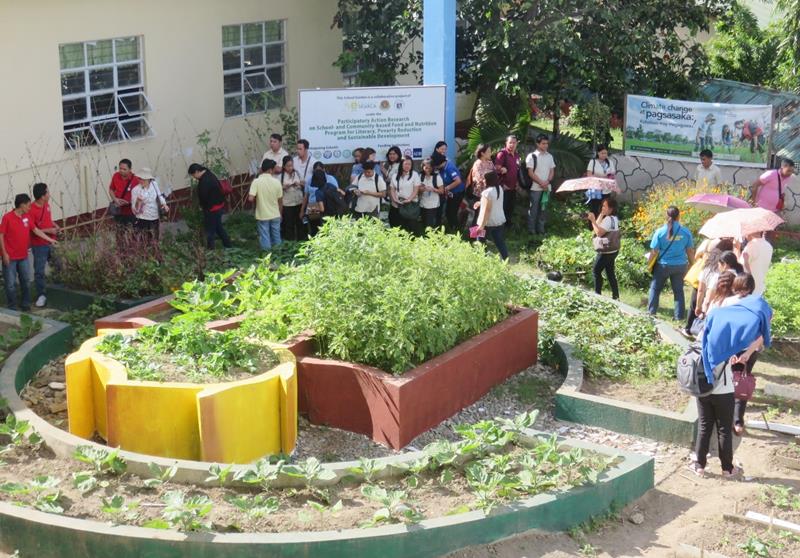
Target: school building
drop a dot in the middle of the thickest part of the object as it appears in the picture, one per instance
(88, 82)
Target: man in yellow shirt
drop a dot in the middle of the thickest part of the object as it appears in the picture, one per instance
(267, 192)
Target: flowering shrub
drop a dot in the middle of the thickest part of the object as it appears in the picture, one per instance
(784, 297)
(650, 212)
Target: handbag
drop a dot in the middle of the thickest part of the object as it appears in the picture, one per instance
(410, 211)
(475, 233)
(781, 194)
(744, 384)
(113, 208)
(609, 242)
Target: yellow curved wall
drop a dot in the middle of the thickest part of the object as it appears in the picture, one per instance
(231, 422)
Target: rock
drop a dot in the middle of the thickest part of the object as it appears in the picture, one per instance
(56, 386)
(637, 518)
(57, 407)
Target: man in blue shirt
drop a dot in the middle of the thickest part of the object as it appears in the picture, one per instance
(453, 186)
(672, 248)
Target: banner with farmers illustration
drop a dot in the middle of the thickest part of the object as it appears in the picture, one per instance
(737, 134)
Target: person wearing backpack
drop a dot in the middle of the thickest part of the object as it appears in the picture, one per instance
(732, 334)
(607, 244)
(541, 169)
(370, 189)
(212, 202)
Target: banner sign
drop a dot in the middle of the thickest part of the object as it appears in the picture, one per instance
(667, 129)
(336, 121)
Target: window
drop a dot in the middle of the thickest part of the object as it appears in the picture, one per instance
(102, 92)
(253, 67)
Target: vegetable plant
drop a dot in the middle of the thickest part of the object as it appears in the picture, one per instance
(102, 460)
(395, 506)
(368, 469)
(119, 510)
(160, 475)
(187, 513)
(255, 505)
(219, 474)
(311, 471)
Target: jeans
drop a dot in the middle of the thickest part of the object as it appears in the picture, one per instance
(535, 213)
(269, 233)
(451, 211)
(40, 256)
(430, 217)
(690, 315)
(509, 201)
(498, 235)
(605, 262)
(293, 228)
(675, 274)
(715, 411)
(212, 222)
(11, 271)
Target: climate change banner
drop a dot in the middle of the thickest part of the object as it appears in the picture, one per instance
(336, 121)
(737, 134)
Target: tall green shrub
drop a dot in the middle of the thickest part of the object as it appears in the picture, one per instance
(783, 294)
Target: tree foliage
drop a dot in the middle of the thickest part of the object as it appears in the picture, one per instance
(742, 51)
(558, 48)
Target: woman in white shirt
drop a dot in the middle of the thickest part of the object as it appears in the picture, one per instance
(601, 167)
(604, 224)
(145, 201)
(431, 188)
(293, 185)
(389, 169)
(492, 218)
(403, 191)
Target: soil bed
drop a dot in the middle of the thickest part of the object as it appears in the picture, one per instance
(774, 409)
(660, 393)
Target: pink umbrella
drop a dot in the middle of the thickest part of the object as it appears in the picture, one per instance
(738, 223)
(589, 183)
(716, 203)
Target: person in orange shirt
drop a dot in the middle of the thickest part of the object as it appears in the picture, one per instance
(41, 220)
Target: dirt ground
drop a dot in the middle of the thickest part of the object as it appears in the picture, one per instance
(662, 394)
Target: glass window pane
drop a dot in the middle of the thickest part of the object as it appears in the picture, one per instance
(75, 139)
(108, 132)
(255, 102)
(276, 99)
(254, 56)
(136, 127)
(102, 78)
(231, 60)
(275, 54)
(233, 83)
(274, 31)
(135, 103)
(74, 110)
(103, 105)
(231, 35)
(127, 49)
(256, 82)
(275, 75)
(128, 75)
(99, 52)
(71, 55)
(73, 82)
(253, 33)
(233, 106)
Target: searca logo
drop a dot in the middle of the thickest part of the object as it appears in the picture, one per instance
(354, 106)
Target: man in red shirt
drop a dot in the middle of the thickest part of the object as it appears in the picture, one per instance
(506, 164)
(122, 182)
(43, 233)
(15, 238)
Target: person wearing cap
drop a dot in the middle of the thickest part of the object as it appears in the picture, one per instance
(212, 203)
(145, 201)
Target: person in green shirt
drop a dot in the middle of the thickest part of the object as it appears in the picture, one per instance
(266, 191)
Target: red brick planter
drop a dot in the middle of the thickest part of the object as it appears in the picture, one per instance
(393, 410)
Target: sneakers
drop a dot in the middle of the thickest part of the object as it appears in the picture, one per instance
(41, 301)
(734, 473)
(695, 468)
(686, 333)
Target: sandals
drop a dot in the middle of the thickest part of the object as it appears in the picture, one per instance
(738, 429)
(734, 473)
(695, 468)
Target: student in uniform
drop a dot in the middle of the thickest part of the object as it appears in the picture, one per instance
(431, 189)
(370, 190)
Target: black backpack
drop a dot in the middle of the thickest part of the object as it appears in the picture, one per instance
(335, 203)
(692, 375)
(525, 180)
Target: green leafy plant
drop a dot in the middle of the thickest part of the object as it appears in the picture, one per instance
(219, 474)
(262, 473)
(312, 472)
(780, 496)
(102, 460)
(257, 505)
(119, 510)
(368, 469)
(160, 475)
(395, 506)
(756, 547)
(783, 295)
(187, 513)
(19, 432)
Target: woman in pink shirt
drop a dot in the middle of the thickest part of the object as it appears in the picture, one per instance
(770, 188)
(482, 165)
